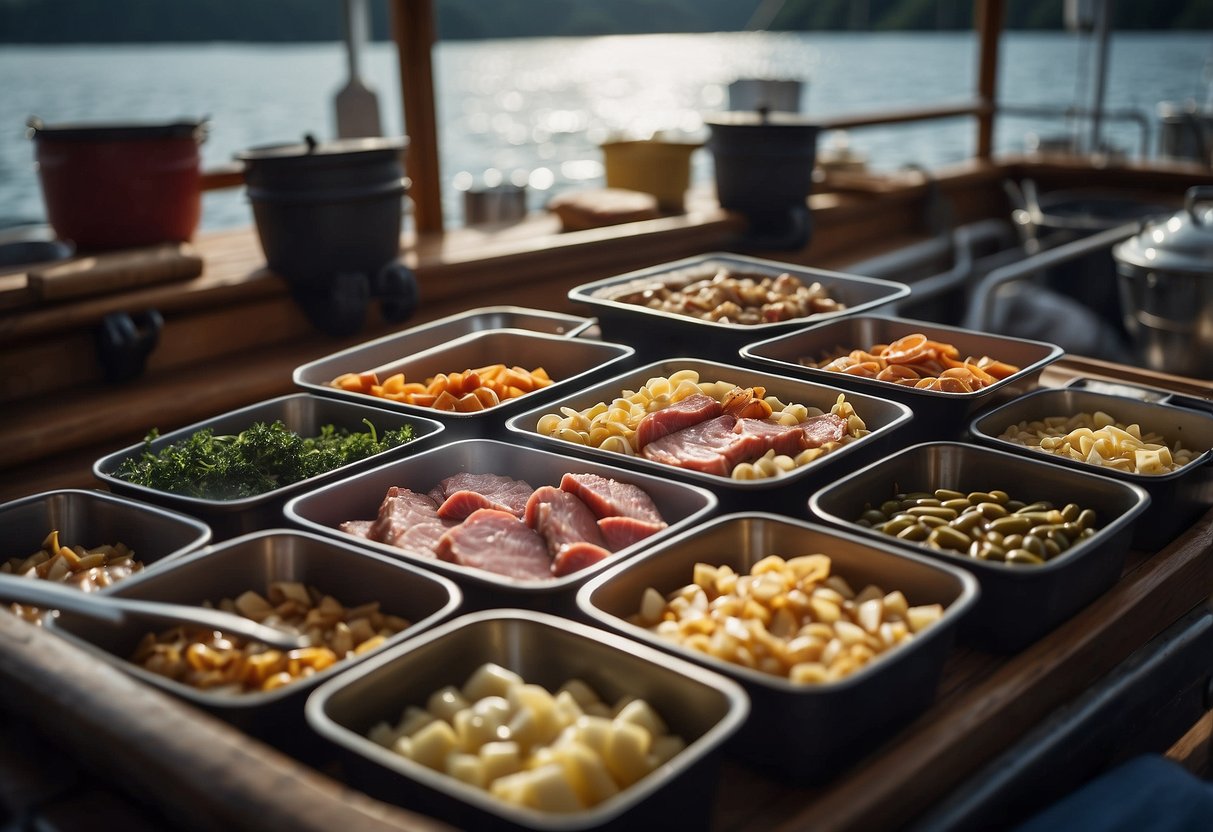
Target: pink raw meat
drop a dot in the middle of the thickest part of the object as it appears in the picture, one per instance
(690, 411)
(711, 447)
(502, 493)
(561, 518)
(576, 556)
(408, 521)
(785, 439)
(358, 528)
(619, 532)
(499, 542)
(611, 498)
(822, 429)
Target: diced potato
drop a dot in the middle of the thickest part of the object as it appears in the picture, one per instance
(921, 617)
(595, 732)
(445, 702)
(433, 743)
(468, 768)
(627, 752)
(587, 773)
(500, 759)
(581, 692)
(639, 712)
(664, 749)
(490, 680)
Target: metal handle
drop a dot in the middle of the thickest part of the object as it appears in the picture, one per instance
(1193, 197)
(115, 609)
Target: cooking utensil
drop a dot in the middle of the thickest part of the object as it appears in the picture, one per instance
(356, 103)
(1166, 285)
(116, 610)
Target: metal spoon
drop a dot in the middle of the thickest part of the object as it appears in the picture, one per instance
(115, 610)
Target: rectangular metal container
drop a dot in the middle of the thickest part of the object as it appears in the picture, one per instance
(801, 733)
(302, 413)
(703, 708)
(316, 375)
(659, 334)
(352, 575)
(1177, 499)
(358, 498)
(569, 361)
(94, 518)
(1018, 604)
(937, 415)
(885, 419)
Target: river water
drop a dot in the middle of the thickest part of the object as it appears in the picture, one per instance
(538, 108)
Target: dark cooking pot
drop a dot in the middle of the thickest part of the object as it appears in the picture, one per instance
(116, 185)
(329, 219)
(1166, 285)
(764, 169)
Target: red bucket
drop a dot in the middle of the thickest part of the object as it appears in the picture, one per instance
(119, 185)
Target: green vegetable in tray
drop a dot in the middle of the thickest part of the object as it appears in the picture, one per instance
(258, 459)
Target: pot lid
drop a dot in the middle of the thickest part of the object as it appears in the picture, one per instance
(118, 130)
(1180, 243)
(775, 119)
(310, 148)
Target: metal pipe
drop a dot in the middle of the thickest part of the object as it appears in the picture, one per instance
(1128, 114)
(1103, 29)
(977, 314)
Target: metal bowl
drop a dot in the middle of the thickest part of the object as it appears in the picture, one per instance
(937, 415)
(1019, 604)
(93, 518)
(883, 418)
(658, 334)
(704, 708)
(801, 733)
(569, 361)
(1177, 499)
(352, 575)
(358, 497)
(302, 413)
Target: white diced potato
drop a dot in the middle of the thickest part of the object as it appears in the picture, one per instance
(383, 734)
(490, 680)
(473, 730)
(500, 759)
(627, 752)
(594, 731)
(584, 695)
(414, 720)
(433, 743)
(547, 790)
(639, 712)
(467, 768)
(404, 747)
(587, 773)
(535, 714)
(921, 617)
(567, 709)
(445, 702)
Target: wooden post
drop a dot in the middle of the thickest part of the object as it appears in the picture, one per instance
(413, 30)
(988, 16)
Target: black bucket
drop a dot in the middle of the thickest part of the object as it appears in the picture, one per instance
(764, 170)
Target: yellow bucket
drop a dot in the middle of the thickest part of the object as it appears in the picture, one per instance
(651, 166)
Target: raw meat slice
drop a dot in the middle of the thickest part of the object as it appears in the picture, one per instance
(576, 556)
(822, 429)
(611, 498)
(408, 521)
(561, 518)
(784, 439)
(712, 447)
(618, 532)
(506, 493)
(358, 528)
(498, 542)
(690, 411)
(462, 503)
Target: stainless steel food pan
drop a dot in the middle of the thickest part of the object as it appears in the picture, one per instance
(352, 575)
(316, 375)
(358, 498)
(95, 518)
(1018, 603)
(1177, 499)
(702, 707)
(884, 419)
(658, 334)
(937, 415)
(797, 732)
(569, 361)
(302, 413)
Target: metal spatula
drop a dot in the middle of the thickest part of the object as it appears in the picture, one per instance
(356, 103)
(115, 610)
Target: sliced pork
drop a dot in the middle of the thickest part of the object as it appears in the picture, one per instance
(768, 435)
(499, 542)
(611, 498)
(619, 532)
(502, 493)
(358, 528)
(409, 521)
(819, 430)
(576, 556)
(690, 411)
(712, 447)
(561, 518)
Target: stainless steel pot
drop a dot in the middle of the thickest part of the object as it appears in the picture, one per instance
(1166, 286)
